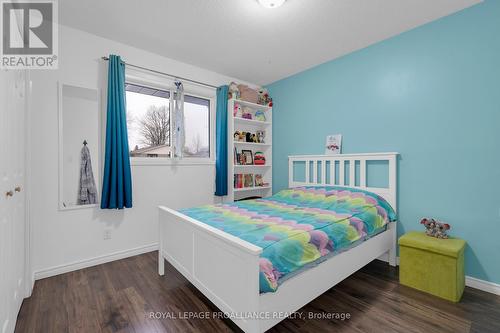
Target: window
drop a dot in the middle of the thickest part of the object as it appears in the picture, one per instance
(149, 122)
(196, 127)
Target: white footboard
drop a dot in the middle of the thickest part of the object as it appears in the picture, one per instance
(223, 267)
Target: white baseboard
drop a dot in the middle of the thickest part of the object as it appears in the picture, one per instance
(489, 287)
(61, 269)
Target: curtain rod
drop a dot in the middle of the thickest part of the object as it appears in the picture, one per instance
(166, 74)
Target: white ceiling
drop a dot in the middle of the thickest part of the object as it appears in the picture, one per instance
(241, 39)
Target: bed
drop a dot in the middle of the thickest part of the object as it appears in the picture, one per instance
(259, 261)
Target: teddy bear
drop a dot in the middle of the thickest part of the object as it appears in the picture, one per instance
(260, 116)
(430, 226)
(264, 98)
(247, 113)
(441, 230)
(233, 92)
(237, 111)
(435, 228)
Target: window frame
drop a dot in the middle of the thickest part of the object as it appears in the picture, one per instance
(148, 79)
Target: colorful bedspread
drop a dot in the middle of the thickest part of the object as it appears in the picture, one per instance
(299, 226)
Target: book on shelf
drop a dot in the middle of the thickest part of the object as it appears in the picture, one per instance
(246, 180)
(259, 180)
(238, 180)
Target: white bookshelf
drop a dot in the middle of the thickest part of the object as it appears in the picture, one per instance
(252, 126)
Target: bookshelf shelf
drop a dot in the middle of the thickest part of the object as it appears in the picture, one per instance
(251, 105)
(240, 143)
(255, 188)
(252, 166)
(251, 122)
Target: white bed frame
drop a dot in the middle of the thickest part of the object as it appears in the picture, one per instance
(226, 269)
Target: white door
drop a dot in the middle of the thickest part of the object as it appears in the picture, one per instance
(12, 198)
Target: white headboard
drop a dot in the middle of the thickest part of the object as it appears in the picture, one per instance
(321, 162)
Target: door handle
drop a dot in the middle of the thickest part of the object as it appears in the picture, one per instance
(9, 193)
(18, 189)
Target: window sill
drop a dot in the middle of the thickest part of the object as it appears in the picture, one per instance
(143, 161)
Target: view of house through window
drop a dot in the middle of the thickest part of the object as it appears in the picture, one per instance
(149, 123)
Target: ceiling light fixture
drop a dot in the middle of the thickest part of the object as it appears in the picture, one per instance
(271, 3)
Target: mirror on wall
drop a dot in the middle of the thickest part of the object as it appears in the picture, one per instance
(79, 144)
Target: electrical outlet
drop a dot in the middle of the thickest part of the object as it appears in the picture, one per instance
(107, 234)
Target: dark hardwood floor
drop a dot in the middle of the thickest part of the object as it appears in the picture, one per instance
(120, 297)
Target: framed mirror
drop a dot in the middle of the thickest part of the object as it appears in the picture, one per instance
(79, 147)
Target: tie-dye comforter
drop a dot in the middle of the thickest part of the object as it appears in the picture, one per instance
(299, 226)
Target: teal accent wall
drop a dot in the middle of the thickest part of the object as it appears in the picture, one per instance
(433, 95)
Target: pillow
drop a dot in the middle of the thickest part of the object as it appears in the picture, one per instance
(333, 198)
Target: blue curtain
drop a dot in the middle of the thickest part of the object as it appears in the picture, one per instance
(221, 142)
(117, 181)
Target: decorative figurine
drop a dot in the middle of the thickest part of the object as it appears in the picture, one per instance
(435, 228)
(261, 136)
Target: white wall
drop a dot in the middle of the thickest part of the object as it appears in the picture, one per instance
(61, 238)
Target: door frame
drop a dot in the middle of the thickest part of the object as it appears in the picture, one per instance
(28, 271)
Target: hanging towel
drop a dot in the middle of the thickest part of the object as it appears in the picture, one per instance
(179, 136)
(87, 194)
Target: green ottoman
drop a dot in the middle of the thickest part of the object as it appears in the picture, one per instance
(433, 265)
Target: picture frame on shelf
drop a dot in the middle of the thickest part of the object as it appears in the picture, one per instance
(241, 159)
(247, 156)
